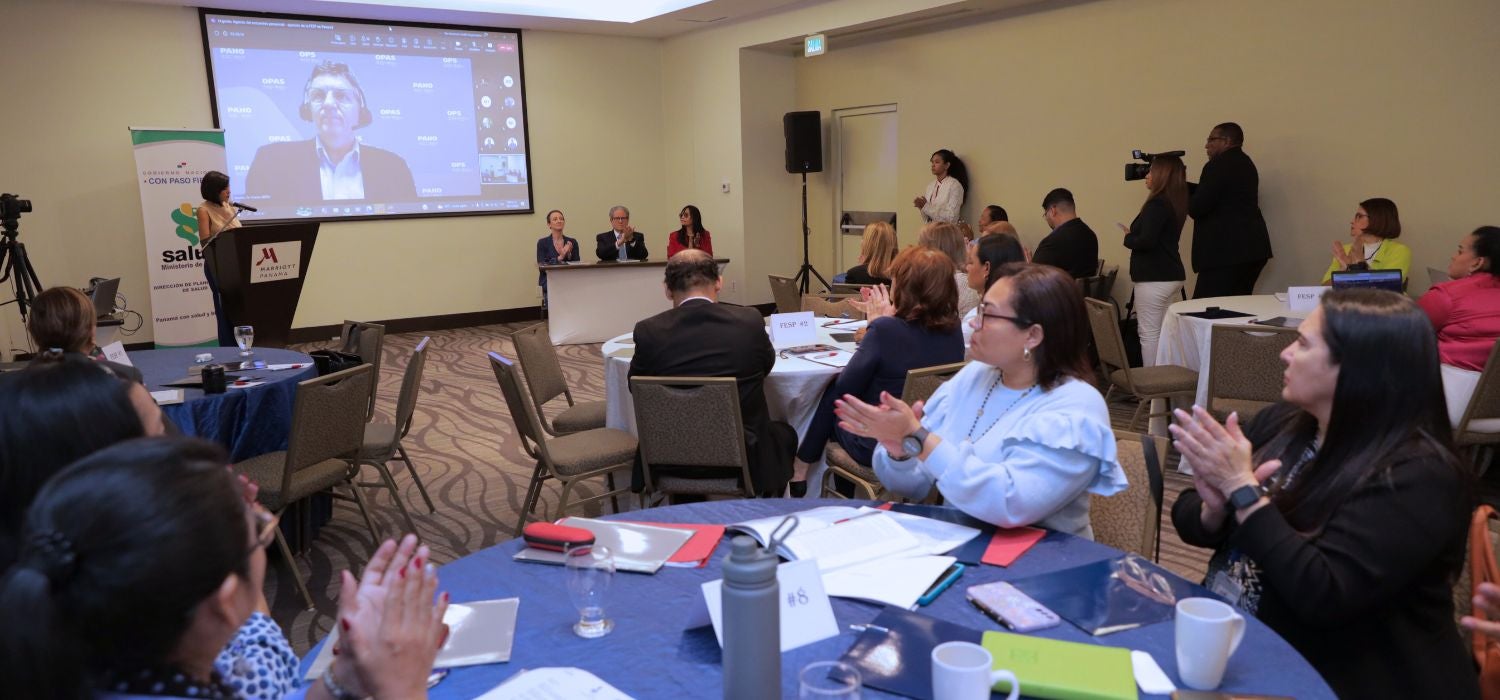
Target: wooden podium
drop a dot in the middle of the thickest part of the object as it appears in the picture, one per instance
(260, 269)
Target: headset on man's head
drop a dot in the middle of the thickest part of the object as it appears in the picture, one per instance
(341, 70)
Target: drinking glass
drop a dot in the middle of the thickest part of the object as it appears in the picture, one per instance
(245, 337)
(829, 680)
(590, 568)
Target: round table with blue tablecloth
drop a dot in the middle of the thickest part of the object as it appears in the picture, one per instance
(651, 654)
(247, 421)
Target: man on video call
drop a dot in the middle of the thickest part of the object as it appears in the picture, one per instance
(332, 165)
(621, 241)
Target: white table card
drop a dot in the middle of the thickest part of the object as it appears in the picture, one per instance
(1304, 298)
(806, 614)
(115, 352)
(791, 330)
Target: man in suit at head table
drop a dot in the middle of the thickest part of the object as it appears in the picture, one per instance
(621, 241)
(700, 337)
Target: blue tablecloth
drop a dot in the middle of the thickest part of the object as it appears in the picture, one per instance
(651, 655)
(248, 422)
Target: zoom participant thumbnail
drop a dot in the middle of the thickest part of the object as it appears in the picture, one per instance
(334, 162)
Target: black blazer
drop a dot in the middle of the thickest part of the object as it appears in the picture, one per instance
(288, 173)
(1228, 228)
(1072, 247)
(606, 250)
(546, 254)
(860, 274)
(706, 339)
(1152, 241)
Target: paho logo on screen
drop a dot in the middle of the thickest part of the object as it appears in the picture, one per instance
(275, 261)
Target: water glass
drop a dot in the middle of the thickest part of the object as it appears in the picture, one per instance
(829, 680)
(245, 337)
(590, 569)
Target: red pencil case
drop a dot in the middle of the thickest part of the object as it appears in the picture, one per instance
(555, 538)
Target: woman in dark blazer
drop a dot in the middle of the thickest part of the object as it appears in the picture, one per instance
(554, 249)
(1155, 265)
(1341, 516)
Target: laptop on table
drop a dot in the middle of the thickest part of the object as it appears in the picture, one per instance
(1380, 279)
(104, 296)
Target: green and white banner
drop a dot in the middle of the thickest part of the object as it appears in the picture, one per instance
(169, 164)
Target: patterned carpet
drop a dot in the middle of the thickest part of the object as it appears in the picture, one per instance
(467, 453)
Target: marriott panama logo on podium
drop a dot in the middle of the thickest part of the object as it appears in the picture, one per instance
(276, 261)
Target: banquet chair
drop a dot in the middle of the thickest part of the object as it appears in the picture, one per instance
(366, 340)
(1144, 383)
(327, 429)
(1476, 433)
(570, 458)
(1131, 520)
(831, 305)
(383, 440)
(1244, 368)
(920, 385)
(692, 437)
(544, 377)
(788, 297)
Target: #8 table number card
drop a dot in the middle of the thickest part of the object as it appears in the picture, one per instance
(1304, 298)
(791, 330)
(806, 613)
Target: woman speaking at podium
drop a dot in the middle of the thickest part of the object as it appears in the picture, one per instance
(214, 215)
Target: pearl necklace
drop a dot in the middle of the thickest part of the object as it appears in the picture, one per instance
(999, 376)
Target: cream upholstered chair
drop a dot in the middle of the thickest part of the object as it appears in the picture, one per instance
(368, 341)
(327, 429)
(920, 385)
(831, 305)
(701, 456)
(1131, 520)
(784, 291)
(570, 458)
(383, 440)
(1244, 367)
(1478, 430)
(544, 376)
(1144, 383)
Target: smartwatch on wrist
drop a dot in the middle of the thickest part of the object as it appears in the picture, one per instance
(912, 444)
(1244, 497)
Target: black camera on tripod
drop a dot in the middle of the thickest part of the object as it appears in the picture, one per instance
(1137, 171)
(11, 209)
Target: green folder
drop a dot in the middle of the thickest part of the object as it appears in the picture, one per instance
(1050, 668)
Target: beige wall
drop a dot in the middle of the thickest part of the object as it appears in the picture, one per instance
(1341, 101)
(91, 69)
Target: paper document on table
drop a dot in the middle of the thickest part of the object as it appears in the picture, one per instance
(860, 539)
(554, 683)
(894, 581)
(167, 397)
(638, 548)
(935, 536)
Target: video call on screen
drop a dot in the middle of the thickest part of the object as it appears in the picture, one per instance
(327, 119)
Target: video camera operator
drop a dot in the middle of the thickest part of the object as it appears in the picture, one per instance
(1230, 241)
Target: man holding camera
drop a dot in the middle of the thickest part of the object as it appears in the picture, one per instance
(1230, 241)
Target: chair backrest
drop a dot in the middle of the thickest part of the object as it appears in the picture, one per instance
(1131, 520)
(690, 422)
(1244, 370)
(328, 419)
(1484, 404)
(368, 341)
(522, 413)
(544, 373)
(831, 305)
(923, 381)
(411, 383)
(1105, 323)
(784, 291)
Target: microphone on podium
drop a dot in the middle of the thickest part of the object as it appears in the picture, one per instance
(245, 207)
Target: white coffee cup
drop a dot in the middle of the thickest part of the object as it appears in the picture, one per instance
(961, 671)
(1208, 633)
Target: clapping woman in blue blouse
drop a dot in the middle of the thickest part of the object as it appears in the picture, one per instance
(554, 249)
(1017, 437)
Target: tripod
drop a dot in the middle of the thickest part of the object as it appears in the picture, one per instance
(13, 262)
(807, 272)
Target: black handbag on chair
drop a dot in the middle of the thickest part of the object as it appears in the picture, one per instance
(330, 361)
(1130, 333)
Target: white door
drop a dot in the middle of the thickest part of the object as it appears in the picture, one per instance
(865, 165)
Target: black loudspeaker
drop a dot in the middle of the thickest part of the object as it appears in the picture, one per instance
(804, 141)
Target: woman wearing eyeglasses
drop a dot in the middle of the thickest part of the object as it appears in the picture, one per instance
(1017, 437)
(141, 562)
(1339, 517)
(1372, 246)
(691, 234)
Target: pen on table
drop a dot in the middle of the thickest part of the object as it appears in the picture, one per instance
(857, 517)
(831, 354)
(877, 628)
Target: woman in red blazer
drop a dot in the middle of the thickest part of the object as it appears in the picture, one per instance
(691, 235)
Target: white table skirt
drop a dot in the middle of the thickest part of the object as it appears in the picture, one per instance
(792, 389)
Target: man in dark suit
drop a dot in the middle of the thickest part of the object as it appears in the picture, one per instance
(1230, 241)
(333, 165)
(700, 337)
(621, 241)
(1072, 245)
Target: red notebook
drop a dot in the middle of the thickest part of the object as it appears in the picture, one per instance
(1006, 546)
(696, 551)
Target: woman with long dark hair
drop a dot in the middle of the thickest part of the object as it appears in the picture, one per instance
(982, 268)
(1339, 518)
(944, 196)
(1155, 266)
(215, 215)
(691, 234)
(1019, 436)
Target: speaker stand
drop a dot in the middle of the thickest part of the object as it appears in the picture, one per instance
(807, 272)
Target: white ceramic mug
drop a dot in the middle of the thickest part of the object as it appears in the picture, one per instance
(1208, 633)
(962, 671)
